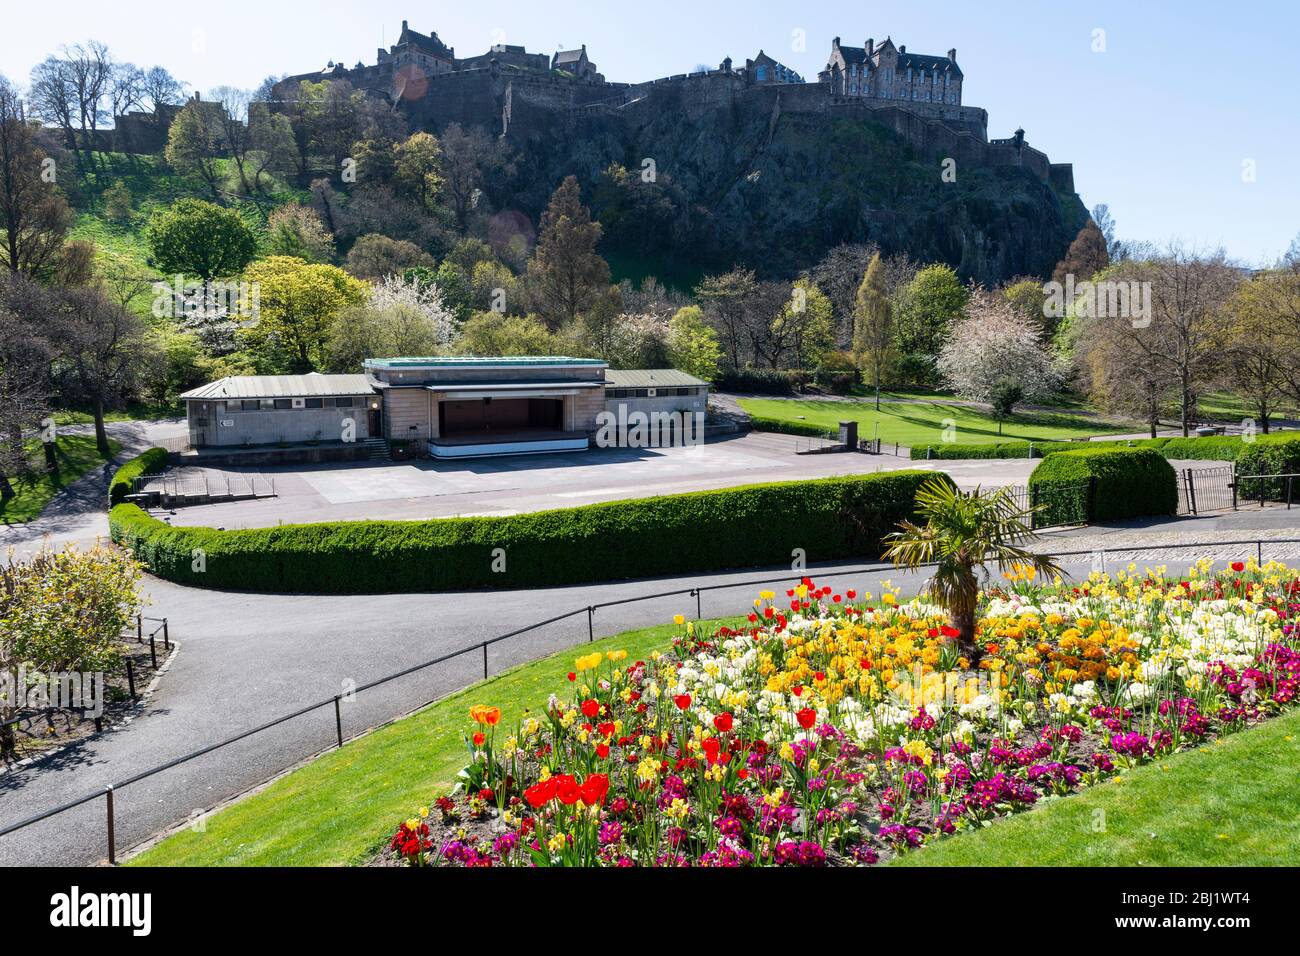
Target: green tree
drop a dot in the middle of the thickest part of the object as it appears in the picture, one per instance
(802, 332)
(417, 170)
(298, 304)
(873, 323)
(117, 202)
(693, 344)
(565, 274)
(490, 333)
(194, 143)
(296, 230)
(925, 309)
(196, 238)
(964, 532)
(64, 611)
(374, 256)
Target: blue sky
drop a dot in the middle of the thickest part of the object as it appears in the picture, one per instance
(1159, 125)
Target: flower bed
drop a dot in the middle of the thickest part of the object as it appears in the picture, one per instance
(838, 729)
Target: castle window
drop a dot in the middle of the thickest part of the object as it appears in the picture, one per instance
(761, 74)
(853, 87)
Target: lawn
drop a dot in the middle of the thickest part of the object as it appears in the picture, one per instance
(1230, 803)
(917, 425)
(76, 455)
(338, 809)
(132, 413)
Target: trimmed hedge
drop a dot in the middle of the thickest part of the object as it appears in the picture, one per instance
(1269, 455)
(752, 526)
(150, 462)
(1213, 448)
(957, 451)
(785, 427)
(1087, 485)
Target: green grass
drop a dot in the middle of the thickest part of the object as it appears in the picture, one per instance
(1229, 803)
(132, 413)
(76, 455)
(917, 425)
(340, 808)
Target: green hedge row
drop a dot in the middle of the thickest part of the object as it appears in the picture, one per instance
(1077, 487)
(786, 427)
(1011, 449)
(1213, 448)
(151, 462)
(1279, 456)
(752, 526)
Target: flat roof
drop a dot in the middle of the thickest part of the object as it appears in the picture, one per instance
(481, 361)
(651, 378)
(314, 385)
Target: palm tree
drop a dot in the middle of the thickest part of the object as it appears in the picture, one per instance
(962, 533)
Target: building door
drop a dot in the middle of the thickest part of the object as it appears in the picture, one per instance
(376, 424)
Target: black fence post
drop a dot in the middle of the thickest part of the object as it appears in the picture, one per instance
(1288, 491)
(485, 660)
(130, 679)
(1259, 553)
(591, 623)
(1233, 483)
(153, 650)
(698, 613)
(338, 720)
(1191, 491)
(112, 836)
(167, 641)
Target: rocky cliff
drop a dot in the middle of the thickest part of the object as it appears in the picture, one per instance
(773, 178)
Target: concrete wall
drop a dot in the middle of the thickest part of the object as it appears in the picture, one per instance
(209, 429)
(471, 374)
(404, 407)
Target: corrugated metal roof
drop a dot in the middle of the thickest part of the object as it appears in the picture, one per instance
(650, 378)
(314, 385)
(480, 361)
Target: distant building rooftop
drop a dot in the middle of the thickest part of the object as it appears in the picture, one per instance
(478, 361)
(314, 385)
(650, 378)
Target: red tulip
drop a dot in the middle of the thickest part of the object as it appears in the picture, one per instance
(723, 722)
(682, 701)
(591, 709)
(807, 717)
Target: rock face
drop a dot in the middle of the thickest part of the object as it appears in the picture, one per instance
(772, 178)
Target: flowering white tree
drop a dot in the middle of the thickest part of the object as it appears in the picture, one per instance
(996, 356)
(394, 293)
(401, 317)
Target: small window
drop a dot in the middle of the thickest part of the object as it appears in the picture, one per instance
(283, 403)
(342, 403)
(251, 405)
(314, 403)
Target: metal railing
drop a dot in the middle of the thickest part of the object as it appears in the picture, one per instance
(179, 488)
(1097, 558)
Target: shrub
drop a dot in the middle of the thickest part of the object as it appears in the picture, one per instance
(150, 462)
(783, 426)
(1010, 449)
(1087, 485)
(757, 525)
(758, 381)
(1269, 455)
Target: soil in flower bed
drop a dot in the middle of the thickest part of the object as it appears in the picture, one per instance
(39, 731)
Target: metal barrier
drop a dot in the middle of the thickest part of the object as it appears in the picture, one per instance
(1096, 557)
